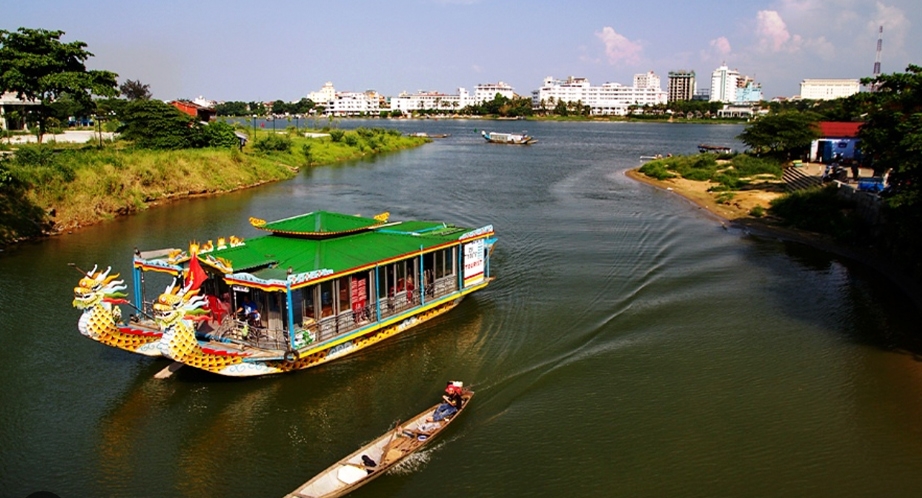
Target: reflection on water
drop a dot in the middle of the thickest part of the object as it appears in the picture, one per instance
(629, 346)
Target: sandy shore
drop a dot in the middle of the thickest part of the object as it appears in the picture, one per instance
(736, 215)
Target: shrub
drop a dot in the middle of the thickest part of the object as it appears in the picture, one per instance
(757, 212)
(152, 124)
(35, 155)
(273, 143)
(220, 134)
(336, 135)
(750, 166)
(656, 169)
(819, 210)
(724, 197)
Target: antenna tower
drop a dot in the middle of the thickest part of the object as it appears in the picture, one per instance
(880, 37)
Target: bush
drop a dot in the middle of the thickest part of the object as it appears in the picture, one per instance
(35, 155)
(220, 134)
(336, 135)
(751, 166)
(656, 169)
(757, 212)
(152, 124)
(273, 143)
(819, 210)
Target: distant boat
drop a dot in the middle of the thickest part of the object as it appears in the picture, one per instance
(426, 135)
(377, 457)
(716, 149)
(508, 138)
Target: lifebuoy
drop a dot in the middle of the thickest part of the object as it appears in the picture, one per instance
(290, 357)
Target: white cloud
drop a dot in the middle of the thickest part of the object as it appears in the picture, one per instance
(721, 45)
(619, 49)
(773, 34)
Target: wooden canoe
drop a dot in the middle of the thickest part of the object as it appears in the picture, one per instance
(386, 451)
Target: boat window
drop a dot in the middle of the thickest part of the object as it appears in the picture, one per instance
(344, 301)
(326, 298)
(297, 304)
(309, 302)
(400, 275)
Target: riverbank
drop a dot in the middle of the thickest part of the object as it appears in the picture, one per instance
(52, 190)
(737, 215)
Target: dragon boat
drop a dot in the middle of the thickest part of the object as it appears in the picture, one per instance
(325, 285)
(98, 295)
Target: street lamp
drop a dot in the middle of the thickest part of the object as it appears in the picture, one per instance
(254, 128)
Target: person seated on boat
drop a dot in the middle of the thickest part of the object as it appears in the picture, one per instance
(410, 289)
(452, 404)
(249, 310)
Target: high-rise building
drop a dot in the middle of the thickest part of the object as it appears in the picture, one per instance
(724, 84)
(681, 85)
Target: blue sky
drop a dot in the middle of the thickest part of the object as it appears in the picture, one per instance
(268, 50)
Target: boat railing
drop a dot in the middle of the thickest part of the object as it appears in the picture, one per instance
(328, 327)
(246, 333)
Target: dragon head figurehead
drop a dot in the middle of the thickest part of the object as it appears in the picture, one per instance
(97, 286)
(177, 303)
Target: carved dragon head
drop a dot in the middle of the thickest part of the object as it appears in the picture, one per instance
(177, 303)
(97, 286)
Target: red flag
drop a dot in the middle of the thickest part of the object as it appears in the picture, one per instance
(196, 273)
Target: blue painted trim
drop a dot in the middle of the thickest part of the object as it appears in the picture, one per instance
(460, 267)
(138, 297)
(291, 316)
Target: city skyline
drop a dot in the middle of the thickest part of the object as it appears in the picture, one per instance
(284, 50)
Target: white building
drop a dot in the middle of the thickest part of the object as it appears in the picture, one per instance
(407, 103)
(646, 80)
(325, 94)
(610, 99)
(828, 89)
(487, 91)
(353, 104)
(723, 84)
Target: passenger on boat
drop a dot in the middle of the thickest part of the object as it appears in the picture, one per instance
(250, 312)
(451, 405)
(410, 289)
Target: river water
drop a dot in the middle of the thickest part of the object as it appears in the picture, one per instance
(630, 346)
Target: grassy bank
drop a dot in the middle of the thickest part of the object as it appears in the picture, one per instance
(49, 190)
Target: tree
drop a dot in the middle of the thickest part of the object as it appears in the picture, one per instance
(783, 135)
(891, 137)
(153, 124)
(36, 65)
(135, 90)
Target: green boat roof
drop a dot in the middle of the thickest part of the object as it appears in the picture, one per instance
(344, 245)
(319, 224)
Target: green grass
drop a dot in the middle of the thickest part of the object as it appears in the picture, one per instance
(733, 172)
(83, 184)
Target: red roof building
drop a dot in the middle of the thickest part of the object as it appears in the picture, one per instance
(839, 129)
(194, 110)
(838, 141)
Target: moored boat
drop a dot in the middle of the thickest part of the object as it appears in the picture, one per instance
(716, 149)
(507, 138)
(376, 457)
(322, 285)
